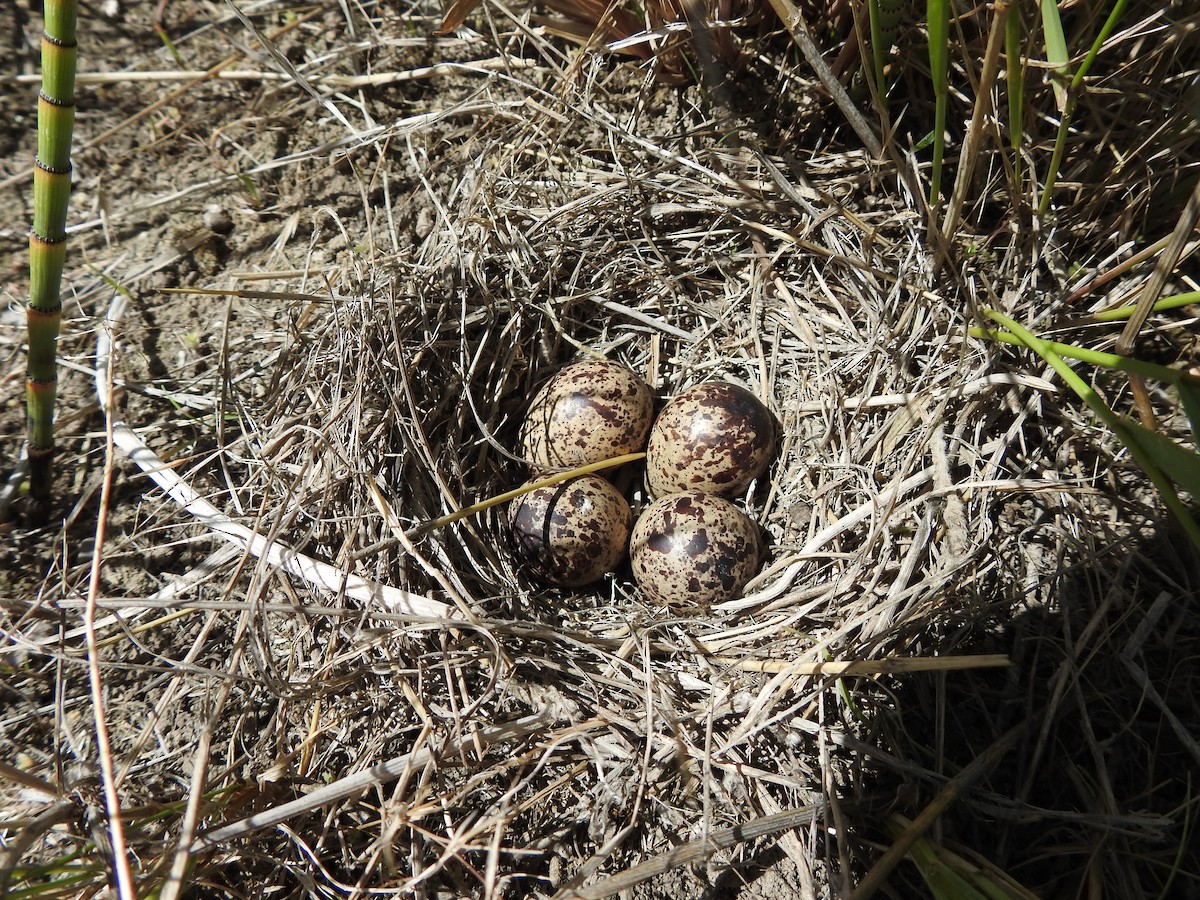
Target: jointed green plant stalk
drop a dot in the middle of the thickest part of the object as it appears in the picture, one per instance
(886, 18)
(47, 238)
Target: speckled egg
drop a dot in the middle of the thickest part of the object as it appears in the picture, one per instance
(589, 411)
(694, 549)
(571, 533)
(714, 437)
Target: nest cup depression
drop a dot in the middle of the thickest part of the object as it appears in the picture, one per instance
(689, 548)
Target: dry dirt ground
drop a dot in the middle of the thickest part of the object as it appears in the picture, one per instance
(401, 236)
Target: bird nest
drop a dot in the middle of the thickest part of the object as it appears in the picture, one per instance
(384, 706)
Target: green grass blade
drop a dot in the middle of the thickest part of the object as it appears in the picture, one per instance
(1187, 385)
(47, 237)
(1109, 24)
(938, 18)
(1173, 302)
(1016, 90)
(876, 55)
(63, 886)
(1060, 147)
(169, 44)
(1056, 51)
(948, 875)
(1097, 358)
(886, 17)
(1123, 427)
(944, 883)
(1189, 395)
(1179, 464)
(992, 883)
(1059, 59)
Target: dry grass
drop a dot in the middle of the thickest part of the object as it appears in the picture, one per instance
(405, 287)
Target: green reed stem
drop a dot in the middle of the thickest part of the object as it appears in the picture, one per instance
(48, 236)
(1175, 301)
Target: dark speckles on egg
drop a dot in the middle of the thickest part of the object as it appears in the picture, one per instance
(693, 550)
(714, 437)
(589, 411)
(571, 533)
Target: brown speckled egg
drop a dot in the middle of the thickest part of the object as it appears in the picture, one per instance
(589, 411)
(714, 437)
(571, 533)
(693, 550)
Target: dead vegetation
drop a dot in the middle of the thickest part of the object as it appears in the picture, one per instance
(394, 268)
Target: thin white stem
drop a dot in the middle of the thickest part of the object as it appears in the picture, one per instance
(319, 574)
(112, 803)
(175, 880)
(340, 82)
(360, 781)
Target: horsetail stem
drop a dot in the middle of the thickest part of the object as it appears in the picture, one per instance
(886, 18)
(48, 236)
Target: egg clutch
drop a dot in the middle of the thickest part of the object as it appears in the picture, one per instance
(692, 546)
